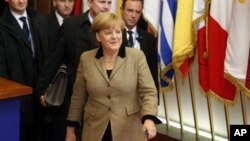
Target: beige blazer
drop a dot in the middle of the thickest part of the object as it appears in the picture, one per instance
(122, 99)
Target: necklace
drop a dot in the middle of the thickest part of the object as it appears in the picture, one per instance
(109, 60)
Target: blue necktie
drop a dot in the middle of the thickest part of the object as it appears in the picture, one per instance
(26, 30)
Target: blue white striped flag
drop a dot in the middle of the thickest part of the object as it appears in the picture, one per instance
(166, 34)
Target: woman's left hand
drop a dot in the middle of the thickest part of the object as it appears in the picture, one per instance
(149, 128)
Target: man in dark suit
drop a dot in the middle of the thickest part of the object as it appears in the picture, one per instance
(23, 50)
(54, 123)
(74, 37)
(62, 9)
(139, 38)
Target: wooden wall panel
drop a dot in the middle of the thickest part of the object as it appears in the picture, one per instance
(41, 6)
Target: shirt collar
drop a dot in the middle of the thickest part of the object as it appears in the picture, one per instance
(134, 29)
(59, 18)
(90, 18)
(18, 16)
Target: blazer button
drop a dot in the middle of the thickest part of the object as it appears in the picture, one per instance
(108, 85)
(108, 96)
(109, 108)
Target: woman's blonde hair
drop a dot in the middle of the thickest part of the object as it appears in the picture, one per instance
(106, 20)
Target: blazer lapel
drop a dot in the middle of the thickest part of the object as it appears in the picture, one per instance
(14, 26)
(140, 39)
(101, 68)
(18, 30)
(119, 62)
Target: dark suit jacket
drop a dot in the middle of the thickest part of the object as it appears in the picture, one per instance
(2, 6)
(53, 27)
(16, 59)
(74, 38)
(148, 46)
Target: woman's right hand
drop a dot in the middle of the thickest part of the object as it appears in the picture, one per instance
(70, 135)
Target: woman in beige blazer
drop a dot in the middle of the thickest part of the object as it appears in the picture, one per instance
(114, 91)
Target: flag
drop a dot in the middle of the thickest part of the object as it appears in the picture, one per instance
(84, 6)
(184, 43)
(218, 24)
(247, 83)
(151, 13)
(118, 7)
(200, 10)
(202, 57)
(237, 50)
(165, 39)
(77, 7)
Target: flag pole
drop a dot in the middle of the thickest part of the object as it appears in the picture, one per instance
(227, 120)
(166, 112)
(178, 103)
(193, 102)
(210, 116)
(208, 3)
(243, 107)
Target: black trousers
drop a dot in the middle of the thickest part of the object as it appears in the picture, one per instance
(55, 122)
(107, 135)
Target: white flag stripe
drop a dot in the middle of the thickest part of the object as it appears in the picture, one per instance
(85, 5)
(238, 41)
(224, 11)
(151, 12)
(168, 22)
(198, 9)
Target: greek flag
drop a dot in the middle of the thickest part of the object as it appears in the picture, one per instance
(165, 40)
